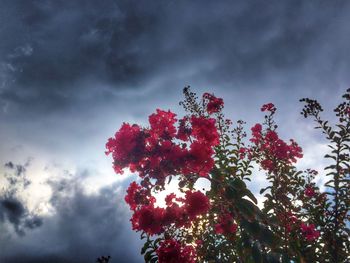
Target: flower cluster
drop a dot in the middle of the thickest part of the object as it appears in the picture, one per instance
(136, 196)
(162, 149)
(289, 221)
(172, 251)
(272, 149)
(309, 232)
(127, 146)
(309, 191)
(168, 147)
(224, 223)
(154, 220)
(213, 103)
(269, 107)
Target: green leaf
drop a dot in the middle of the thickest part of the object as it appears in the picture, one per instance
(256, 253)
(231, 193)
(253, 228)
(238, 184)
(273, 258)
(157, 241)
(330, 156)
(246, 243)
(267, 237)
(148, 256)
(145, 247)
(285, 258)
(264, 189)
(247, 208)
(251, 196)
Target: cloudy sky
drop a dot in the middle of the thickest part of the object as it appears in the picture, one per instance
(72, 71)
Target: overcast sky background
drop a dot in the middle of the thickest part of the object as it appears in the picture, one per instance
(72, 71)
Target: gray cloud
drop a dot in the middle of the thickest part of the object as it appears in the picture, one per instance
(82, 228)
(72, 71)
(19, 170)
(12, 209)
(57, 52)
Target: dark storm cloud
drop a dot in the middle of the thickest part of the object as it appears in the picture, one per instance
(12, 209)
(55, 52)
(54, 48)
(82, 228)
(74, 57)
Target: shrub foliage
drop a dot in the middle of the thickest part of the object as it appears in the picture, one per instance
(296, 222)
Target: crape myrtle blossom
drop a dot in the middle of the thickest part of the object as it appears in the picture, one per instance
(172, 251)
(163, 150)
(138, 196)
(271, 149)
(269, 107)
(153, 220)
(196, 203)
(309, 232)
(166, 148)
(223, 223)
(214, 104)
(127, 147)
(309, 191)
(289, 221)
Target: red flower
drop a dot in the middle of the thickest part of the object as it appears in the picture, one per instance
(196, 203)
(148, 219)
(200, 159)
(226, 225)
(242, 152)
(295, 151)
(268, 165)
(205, 131)
(136, 196)
(268, 107)
(214, 104)
(256, 133)
(257, 128)
(169, 199)
(273, 149)
(162, 124)
(271, 136)
(309, 232)
(176, 214)
(199, 242)
(172, 251)
(309, 191)
(289, 221)
(127, 146)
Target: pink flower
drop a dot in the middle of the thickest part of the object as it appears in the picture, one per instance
(172, 251)
(148, 219)
(136, 196)
(214, 104)
(309, 232)
(127, 147)
(162, 124)
(204, 130)
(196, 203)
(309, 191)
(269, 107)
(226, 225)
